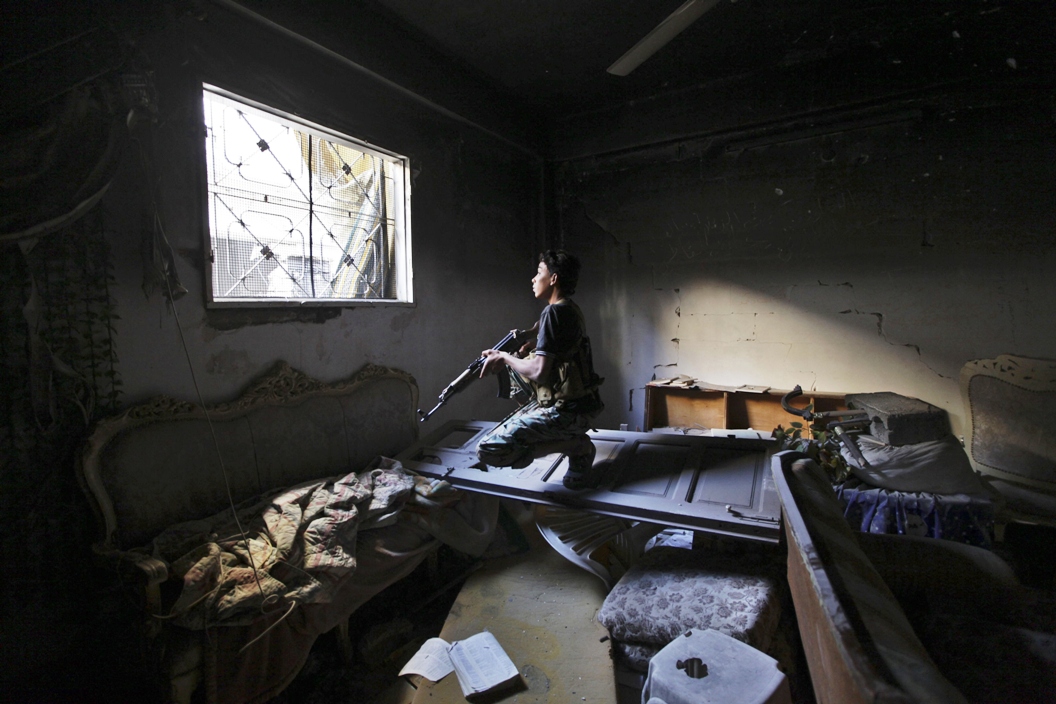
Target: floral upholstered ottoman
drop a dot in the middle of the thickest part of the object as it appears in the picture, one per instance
(736, 591)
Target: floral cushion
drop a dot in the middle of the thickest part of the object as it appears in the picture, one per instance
(672, 590)
(634, 656)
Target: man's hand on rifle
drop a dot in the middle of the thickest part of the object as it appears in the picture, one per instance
(532, 369)
(494, 361)
(529, 344)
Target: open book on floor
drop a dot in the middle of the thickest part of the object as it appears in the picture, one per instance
(479, 662)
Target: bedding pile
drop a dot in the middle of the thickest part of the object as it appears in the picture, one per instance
(295, 547)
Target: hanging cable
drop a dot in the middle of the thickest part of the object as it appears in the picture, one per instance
(216, 445)
(145, 165)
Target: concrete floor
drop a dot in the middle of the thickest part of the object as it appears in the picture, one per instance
(542, 609)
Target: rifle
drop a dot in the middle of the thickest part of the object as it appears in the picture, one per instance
(511, 343)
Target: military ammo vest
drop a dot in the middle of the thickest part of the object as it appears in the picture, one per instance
(572, 377)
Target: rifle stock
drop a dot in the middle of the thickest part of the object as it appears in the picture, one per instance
(511, 343)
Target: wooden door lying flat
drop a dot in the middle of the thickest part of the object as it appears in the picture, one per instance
(718, 485)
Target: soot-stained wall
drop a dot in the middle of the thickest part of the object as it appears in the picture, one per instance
(475, 223)
(854, 258)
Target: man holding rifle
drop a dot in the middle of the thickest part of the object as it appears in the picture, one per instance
(558, 369)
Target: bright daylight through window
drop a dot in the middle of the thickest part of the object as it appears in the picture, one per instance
(299, 214)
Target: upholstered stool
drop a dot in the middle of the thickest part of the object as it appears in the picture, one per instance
(670, 590)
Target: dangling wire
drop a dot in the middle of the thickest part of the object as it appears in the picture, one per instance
(145, 164)
(216, 443)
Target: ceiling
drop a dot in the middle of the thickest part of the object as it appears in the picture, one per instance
(553, 54)
(534, 71)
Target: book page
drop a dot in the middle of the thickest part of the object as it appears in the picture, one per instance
(481, 663)
(431, 661)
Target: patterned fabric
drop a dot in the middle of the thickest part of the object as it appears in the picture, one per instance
(784, 645)
(958, 517)
(297, 546)
(672, 590)
(634, 656)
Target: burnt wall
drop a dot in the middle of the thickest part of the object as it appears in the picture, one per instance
(874, 250)
(475, 216)
(476, 228)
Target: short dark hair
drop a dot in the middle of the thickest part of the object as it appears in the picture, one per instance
(565, 265)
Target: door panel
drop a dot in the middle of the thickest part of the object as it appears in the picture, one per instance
(724, 481)
(719, 485)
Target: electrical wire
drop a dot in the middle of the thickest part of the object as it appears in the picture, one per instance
(216, 442)
(266, 600)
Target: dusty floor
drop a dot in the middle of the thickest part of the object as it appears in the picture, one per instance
(389, 632)
(105, 668)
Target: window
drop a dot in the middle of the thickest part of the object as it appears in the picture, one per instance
(301, 214)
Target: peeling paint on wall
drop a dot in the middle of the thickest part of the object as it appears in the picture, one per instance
(839, 246)
(228, 362)
(879, 320)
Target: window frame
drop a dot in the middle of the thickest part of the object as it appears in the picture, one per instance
(404, 274)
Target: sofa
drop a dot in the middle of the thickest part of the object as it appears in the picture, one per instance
(894, 618)
(245, 529)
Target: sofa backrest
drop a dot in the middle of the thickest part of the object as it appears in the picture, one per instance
(859, 645)
(1010, 402)
(157, 464)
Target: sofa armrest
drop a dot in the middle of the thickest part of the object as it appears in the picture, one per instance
(860, 646)
(148, 572)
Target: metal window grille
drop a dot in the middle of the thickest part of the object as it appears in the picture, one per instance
(296, 215)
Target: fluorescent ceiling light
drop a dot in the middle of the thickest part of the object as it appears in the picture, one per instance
(664, 32)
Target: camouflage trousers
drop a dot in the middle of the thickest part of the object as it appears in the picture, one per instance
(512, 442)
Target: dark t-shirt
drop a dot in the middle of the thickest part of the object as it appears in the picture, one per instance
(560, 328)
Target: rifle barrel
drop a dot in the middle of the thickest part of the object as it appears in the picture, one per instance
(471, 372)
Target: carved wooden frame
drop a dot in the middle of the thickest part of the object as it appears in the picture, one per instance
(282, 385)
(1038, 375)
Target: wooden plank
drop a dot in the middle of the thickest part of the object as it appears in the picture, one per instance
(684, 408)
(758, 411)
(699, 408)
(827, 403)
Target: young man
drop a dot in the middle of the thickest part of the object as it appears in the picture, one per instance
(558, 368)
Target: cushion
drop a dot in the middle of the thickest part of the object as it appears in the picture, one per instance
(1025, 500)
(1010, 401)
(936, 466)
(911, 566)
(672, 590)
(634, 656)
